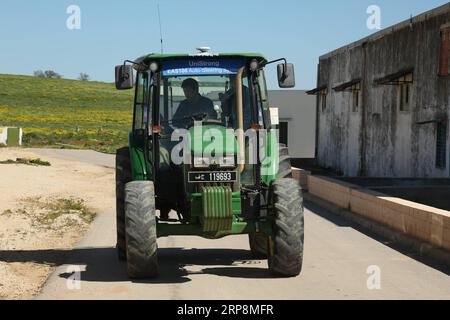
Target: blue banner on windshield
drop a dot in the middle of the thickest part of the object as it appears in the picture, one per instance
(202, 67)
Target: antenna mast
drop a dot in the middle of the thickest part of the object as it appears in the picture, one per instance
(160, 31)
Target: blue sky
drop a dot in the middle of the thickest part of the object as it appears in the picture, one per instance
(34, 35)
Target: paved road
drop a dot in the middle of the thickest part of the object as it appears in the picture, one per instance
(337, 257)
(86, 156)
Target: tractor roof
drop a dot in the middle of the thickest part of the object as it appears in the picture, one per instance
(160, 57)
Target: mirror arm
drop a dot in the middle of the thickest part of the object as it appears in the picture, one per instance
(262, 65)
(132, 62)
(129, 61)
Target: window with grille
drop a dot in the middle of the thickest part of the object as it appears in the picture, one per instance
(356, 97)
(323, 99)
(441, 145)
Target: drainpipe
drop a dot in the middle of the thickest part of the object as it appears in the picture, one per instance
(364, 100)
(316, 149)
(240, 117)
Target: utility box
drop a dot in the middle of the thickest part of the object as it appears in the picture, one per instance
(11, 136)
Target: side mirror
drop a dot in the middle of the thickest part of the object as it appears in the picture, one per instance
(286, 75)
(124, 77)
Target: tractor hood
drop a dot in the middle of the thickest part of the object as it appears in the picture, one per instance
(208, 139)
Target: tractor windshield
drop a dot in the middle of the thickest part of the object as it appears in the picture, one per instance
(202, 90)
(209, 99)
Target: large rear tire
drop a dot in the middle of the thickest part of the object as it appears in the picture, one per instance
(259, 241)
(285, 166)
(123, 176)
(140, 226)
(286, 243)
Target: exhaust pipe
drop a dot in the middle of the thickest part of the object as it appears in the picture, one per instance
(240, 118)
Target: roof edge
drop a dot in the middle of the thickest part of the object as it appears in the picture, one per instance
(389, 30)
(158, 56)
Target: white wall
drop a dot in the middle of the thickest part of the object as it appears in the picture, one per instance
(299, 110)
(3, 135)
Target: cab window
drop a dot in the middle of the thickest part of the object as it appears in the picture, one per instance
(262, 98)
(142, 101)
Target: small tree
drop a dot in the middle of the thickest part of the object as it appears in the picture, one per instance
(39, 74)
(52, 74)
(84, 77)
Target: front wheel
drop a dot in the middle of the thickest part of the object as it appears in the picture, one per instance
(286, 243)
(140, 227)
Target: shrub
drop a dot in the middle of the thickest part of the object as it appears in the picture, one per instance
(84, 77)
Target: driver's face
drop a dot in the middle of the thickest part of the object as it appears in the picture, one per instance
(189, 93)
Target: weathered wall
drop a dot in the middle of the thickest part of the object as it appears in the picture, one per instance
(380, 140)
(339, 128)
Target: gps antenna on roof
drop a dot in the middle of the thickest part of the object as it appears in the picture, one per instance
(204, 51)
(160, 31)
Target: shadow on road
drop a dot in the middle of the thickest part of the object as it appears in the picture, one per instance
(341, 222)
(102, 264)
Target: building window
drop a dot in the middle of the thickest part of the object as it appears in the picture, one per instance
(404, 92)
(321, 93)
(356, 97)
(354, 87)
(444, 54)
(441, 145)
(403, 79)
(323, 100)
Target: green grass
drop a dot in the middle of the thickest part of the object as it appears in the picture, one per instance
(9, 161)
(30, 162)
(87, 115)
(55, 208)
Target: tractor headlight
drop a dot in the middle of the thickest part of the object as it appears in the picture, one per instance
(154, 67)
(201, 162)
(254, 65)
(227, 162)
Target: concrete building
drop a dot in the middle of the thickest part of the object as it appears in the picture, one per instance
(297, 121)
(383, 102)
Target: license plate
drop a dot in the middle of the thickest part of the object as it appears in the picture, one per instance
(219, 176)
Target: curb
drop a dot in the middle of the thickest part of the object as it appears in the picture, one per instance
(423, 249)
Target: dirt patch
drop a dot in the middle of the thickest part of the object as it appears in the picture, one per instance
(45, 208)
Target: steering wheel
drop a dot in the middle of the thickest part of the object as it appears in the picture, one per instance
(198, 117)
(204, 118)
(184, 122)
(201, 117)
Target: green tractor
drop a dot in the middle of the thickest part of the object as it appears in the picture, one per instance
(204, 160)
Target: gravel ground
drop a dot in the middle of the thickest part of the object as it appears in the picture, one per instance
(45, 208)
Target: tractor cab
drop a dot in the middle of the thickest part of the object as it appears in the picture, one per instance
(203, 148)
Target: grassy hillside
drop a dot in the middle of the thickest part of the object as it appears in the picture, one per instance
(57, 111)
